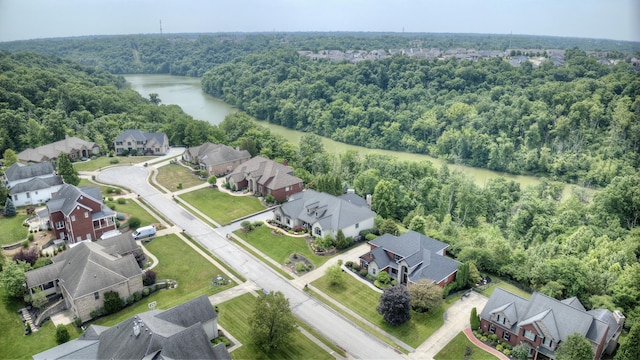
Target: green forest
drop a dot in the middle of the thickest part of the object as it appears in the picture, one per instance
(577, 123)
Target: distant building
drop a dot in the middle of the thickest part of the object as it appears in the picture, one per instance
(31, 184)
(142, 143)
(265, 177)
(75, 148)
(216, 159)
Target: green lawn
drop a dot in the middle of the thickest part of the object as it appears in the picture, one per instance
(280, 247)
(506, 286)
(234, 318)
(171, 175)
(12, 229)
(177, 261)
(103, 189)
(132, 208)
(363, 300)
(221, 207)
(103, 161)
(457, 347)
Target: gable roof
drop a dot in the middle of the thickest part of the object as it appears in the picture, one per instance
(160, 336)
(213, 154)
(88, 267)
(330, 212)
(266, 172)
(354, 199)
(66, 199)
(20, 171)
(138, 135)
(51, 151)
(36, 184)
(408, 243)
(551, 317)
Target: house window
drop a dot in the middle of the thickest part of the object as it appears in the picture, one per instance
(73, 218)
(278, 218)
(36, 193)
(28, 195)
(373, 271)
(157, 149)
(48, 285)
(492, 329)
(396, 257)
(357, 225)
(15, 197)
(118, 142)
(547, 342)
(317, 231)
(96, 295)
(529, 335)
(89, 237)
(506, 336)
(287, 188)
(86, 214)
(394, 271)
(59, 225)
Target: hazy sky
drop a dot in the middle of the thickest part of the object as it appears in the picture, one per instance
(608, 19)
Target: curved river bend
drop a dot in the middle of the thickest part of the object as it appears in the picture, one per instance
(187, 93)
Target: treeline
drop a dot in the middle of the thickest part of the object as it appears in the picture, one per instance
(579, 246)
(43, 99)
(577, 123)
(194, 54)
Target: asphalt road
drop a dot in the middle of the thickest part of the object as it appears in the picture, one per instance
(359, 344)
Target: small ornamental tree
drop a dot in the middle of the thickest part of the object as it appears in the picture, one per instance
(134, 223)
(39, 298)
(520, 352)
(9, 208)
(62, 334)
(149, 278)
(29, 255)
(425, 295)
(246, 226)
(395, 305)
(112, 302)
(212, 180)
(335, 275)
(474, 319)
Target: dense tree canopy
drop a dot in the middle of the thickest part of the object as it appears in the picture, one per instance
(272, 322)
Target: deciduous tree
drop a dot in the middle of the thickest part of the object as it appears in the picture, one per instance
(9, 158)
(576, 347)
(272, 322)
(630, 347)
(13, 278)
(395, 305)
(425, 295)
(335, 275)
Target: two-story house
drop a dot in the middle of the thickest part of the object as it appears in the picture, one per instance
(266, 177)
(78, 214)
(31, 184)
(141, 143)
(323, 214)
(410, 257)
(542, 323)
(216, 159)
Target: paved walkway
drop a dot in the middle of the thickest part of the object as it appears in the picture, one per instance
(484, 346)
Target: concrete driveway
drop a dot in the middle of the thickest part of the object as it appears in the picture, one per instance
(358, 343)
(456, 320)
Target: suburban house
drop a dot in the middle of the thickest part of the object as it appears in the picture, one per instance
(216, 159)
(410, 257)
(323, 214)
(182, 332)
(141, 143)
(75, 148)
(266, 177)
(83, 273)
(542, 323)
(31, 184)
(78, 214)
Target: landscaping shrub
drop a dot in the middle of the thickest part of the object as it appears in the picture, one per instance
(112, 206)
(62, 334)
(370, 237)
(246, 226)
(25, 243)
(114, 161)
(149, 278)
(121, 201)
(146, 292)
(77, 322)
(300, 266)
(134, 222)
(355, 267)
(349, 264)
(506, 352)
(137, 295)
(257, 224)
(30, 237)
(112, 302)
(474, 319)
(179, 186)
(120, 217)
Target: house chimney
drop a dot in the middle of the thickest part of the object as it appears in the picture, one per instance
(286, 162)
(368, 197)
(620, 318)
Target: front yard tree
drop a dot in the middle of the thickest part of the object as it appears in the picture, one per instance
(66, 170)
(425, 295)
(13, 279)
(577, 347)
(272, 322)
(341, 240)
(212, 180)
(395, 305)
(335, 275)
(9, 208)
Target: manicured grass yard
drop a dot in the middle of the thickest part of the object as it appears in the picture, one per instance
(132, 208)
(221, 207)
(457, 347)
(364, 301)
(234, 318)
(103, 189)
(506, 286)
(177, 261)
(104, 161)
(171, 175)
(12, 229)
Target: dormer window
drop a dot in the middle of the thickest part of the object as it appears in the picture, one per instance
(530, 335)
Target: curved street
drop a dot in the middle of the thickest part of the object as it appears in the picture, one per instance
(358, 344)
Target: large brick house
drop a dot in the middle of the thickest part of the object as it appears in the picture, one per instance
(542, 323)
(266, 177)
(142, 143)
(409, 258)
(78, 214)
(83, 273)
(216, 159)
(31, 184)
(182, 332)
(323, 214)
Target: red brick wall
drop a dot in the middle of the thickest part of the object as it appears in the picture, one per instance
(82, 226)
(485, 326)
(95, 207)
(281, 194)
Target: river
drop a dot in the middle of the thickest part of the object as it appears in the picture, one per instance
(187, 93)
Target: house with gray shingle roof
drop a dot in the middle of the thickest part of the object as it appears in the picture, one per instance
(78, 214)
(182, 332)
(409, 258)
(216, 159)
(31, 184)
(73, 147)
(83, 273)
(323, 214)
(542, 323)
(267, 177)
(141, 143)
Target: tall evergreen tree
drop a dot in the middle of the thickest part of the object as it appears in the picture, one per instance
(9, 208)
(67, 171)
